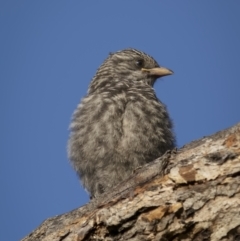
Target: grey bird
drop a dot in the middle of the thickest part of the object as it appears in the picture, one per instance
(120, 124)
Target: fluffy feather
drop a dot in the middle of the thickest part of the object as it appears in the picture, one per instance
(120, 124)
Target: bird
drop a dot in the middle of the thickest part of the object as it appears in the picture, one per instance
(120, 124)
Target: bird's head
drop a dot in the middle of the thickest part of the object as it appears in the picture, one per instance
(129, 66)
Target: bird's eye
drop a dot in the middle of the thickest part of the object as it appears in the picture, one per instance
(139, 63)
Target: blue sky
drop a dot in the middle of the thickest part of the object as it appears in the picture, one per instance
(50, 50)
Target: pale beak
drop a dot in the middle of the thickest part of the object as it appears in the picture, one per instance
(159, 71)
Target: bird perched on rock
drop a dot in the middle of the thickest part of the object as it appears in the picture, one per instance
(120, 124)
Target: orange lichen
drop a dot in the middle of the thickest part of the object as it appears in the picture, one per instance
(230, 141)
(188, 173)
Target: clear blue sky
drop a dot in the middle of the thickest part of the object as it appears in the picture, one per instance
(50, 50)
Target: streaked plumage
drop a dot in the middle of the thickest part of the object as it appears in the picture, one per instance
(120, 124)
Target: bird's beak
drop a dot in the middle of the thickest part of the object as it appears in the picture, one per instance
(159, 71)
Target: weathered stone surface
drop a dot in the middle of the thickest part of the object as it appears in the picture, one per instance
(197, 197)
